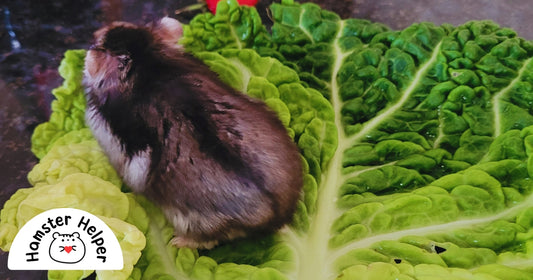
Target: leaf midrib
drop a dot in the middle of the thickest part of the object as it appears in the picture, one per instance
(314, 252)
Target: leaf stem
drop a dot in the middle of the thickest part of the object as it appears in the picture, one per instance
(313, 260)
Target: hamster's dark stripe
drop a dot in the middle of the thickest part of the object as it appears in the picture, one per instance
(134, 137)
(167, 125)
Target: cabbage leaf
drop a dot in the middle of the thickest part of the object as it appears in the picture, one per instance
(417, 147)
(430, 175)
(68, 109)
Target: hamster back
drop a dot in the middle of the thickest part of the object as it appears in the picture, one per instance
(218, 163)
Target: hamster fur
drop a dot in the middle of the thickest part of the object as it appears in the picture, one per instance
(218, 163)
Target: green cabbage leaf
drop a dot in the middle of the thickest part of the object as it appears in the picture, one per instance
(68, 108)
(417, 146)
(430, 173)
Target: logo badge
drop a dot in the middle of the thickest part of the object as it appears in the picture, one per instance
(65, 239)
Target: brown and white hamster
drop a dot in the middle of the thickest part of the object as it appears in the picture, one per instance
(218, 163)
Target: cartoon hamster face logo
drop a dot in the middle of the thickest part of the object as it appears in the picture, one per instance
(67, 248)
(65, 239)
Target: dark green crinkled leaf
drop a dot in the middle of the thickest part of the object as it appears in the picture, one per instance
(433, 147)
(231, 28)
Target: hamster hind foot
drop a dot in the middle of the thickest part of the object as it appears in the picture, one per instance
(182, 241)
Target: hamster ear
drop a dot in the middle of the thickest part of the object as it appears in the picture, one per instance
(76, 234)
(55, 235)
(169, 30)
(126, 38)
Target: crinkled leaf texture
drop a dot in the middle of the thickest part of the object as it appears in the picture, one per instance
(429, 175)
(417, 146)
(68, 109)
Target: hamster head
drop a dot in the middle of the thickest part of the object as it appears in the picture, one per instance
(111, 64)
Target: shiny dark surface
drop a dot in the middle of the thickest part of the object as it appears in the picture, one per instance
(45, 29)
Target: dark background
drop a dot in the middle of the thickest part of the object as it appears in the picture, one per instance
(45, 29)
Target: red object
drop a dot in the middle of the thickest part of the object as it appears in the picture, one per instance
(212, 4)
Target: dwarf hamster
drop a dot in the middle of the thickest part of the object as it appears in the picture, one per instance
(218, 163)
